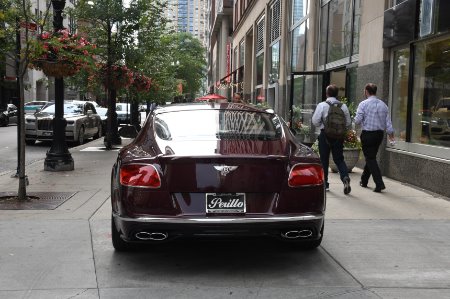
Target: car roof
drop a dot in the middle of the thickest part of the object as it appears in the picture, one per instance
(211, 106)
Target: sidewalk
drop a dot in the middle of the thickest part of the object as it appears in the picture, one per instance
(66, 252)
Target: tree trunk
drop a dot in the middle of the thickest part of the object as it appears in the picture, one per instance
(22, 192)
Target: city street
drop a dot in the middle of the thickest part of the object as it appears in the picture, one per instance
(376, 245)
(8, 149)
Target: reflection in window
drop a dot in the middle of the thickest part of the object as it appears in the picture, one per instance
(323, 34)
(259, 69)
(298, 48)
(339, 29)
(298, 10)
(275, 65)
(431, 114)
(356, 27)
(217, 125)
(400, 92)
(307, 94)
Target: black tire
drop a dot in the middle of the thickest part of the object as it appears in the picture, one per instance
(99, 132)
(30, 141)
(4, 121)
(81, 139)
(118, 243)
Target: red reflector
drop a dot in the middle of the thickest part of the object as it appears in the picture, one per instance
(139, 175)
(305, 174)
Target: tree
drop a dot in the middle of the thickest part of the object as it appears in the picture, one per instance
(190, 61)
(16, 15)
(112, 26)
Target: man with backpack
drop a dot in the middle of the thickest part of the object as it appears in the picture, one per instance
(333, 119)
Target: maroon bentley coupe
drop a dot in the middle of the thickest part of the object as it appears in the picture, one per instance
(210, 169)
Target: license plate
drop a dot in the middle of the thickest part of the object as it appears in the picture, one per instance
(225, 203)
(47, 133)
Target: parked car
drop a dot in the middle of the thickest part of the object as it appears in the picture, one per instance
(82, 122)
(34, 106)
(123, 111)
(440, 119)
(8, 115)
(209, 169)
(102, 112)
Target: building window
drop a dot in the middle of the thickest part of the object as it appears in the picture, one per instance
(339, 30)
(275, 21)
(259, 69)
(260, 35)
(430, 122)
(400, 79)
(260, 51)
(298, 48)
(356, 26)
(298, 10)
(275, 33)
(241, 52)
(275, 62)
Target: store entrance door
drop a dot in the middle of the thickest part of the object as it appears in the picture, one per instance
(307, 90)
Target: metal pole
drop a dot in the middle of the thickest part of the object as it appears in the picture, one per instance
(58, 157)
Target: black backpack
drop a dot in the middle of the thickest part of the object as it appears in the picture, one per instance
(335, 125)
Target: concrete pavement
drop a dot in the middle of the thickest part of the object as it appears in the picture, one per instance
(393, 244)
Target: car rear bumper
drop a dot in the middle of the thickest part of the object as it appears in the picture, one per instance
(176, 227)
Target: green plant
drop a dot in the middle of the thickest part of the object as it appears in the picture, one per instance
(351, 140)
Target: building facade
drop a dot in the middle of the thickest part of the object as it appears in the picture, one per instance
(188, 16)
(283, 54)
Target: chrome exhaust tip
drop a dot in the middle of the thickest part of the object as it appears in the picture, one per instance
(295, 234)
(153, 236)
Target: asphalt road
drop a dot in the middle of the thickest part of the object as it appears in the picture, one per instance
(8, 149)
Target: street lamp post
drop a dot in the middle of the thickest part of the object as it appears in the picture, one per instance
(58, 157)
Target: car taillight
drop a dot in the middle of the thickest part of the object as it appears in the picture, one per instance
(139, 175)
(305, 175)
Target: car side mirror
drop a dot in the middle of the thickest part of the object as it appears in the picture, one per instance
(128, 131)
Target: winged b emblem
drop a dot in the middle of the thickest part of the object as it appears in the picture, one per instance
(225, 169)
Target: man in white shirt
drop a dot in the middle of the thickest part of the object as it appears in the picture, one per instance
(373, 115)
(326, 144)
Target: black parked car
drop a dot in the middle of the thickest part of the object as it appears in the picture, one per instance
(8, 115)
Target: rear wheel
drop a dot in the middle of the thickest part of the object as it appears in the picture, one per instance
(118, 243)
(30, 141)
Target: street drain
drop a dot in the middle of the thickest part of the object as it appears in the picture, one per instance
(34, 201)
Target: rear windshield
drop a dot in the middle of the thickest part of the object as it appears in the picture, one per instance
(217, 124)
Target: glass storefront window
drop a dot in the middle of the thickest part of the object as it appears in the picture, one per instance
(323, 34)
(356, 27)
(298, 48)
(298, 10)
(339, 29)
(400, 92)
(431, 96)
(275, 65)
(259, 69)
(241, 53)
(307, 94)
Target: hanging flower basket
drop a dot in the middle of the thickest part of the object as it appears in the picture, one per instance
(57, 69)
(141, 83)
(61, 54)
(121, 76)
